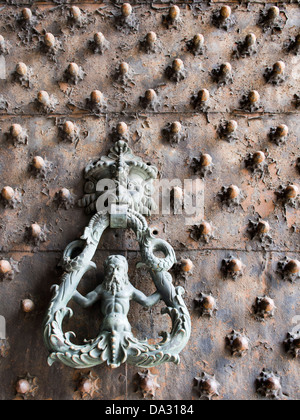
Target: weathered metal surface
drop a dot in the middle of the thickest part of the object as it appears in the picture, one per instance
(231, 237)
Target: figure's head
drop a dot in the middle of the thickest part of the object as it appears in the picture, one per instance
(116, 273)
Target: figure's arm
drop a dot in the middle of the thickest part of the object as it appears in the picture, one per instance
(89, 299)
(143, 300)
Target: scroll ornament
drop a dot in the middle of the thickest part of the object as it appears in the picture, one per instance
(129, 199)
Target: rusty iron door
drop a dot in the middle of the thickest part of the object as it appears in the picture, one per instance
(203, 90)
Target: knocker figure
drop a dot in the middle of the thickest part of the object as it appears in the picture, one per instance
(115, 294)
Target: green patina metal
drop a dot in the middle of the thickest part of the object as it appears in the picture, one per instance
(127, 198)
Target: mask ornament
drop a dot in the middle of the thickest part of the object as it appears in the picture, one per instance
(129, 198)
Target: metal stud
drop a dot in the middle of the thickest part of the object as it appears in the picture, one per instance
(26, 14)
(146, 383)
(288, 195)
(150, 100)
(26, 387)
(268, 385)
(206, 305)
(238, 343)
(49, 40)
(126, 10)
(174, 133)
(176, 72)
(196, 45)
(279, 135)
(22, 75)
(270, 19)
(75, 13)
(202, 232)
(17, 135)
(246, 48)
(207, 386)
(257, 163)
(46, 103)
(74, 74)
(172, 19)
(99, 44)
(40, 167)
(289, 269)
(10, 197)
(276, 74)
(232, 267)
(150, 43)
(69, 132)
(4, 46)
(126, 21)
(36, 234)
(120, 132)
(203, 166)
(223, 18)
(5, 268)
(264, 308)
(88, 387)
(222, 74)
(27, 305)
(96, 102)
(231, 197)
(8, 269)
(251, 101)
(200, 101)
(292, 344)
(64, 199)
(227, 131)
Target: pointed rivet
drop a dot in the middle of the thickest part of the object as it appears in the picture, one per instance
(49, 40)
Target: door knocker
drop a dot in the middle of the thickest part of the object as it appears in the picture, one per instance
(128, 181)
